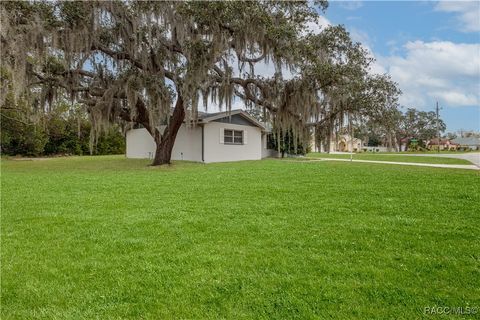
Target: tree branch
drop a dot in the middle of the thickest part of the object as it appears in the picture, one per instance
(118, 55)
(14, 119)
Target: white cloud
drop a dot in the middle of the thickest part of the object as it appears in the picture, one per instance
(456, 97)
(468, 13)
(350, 5)
(360, 36)
(442, 58)
(318, 26)
(439, 70)
(364, 39)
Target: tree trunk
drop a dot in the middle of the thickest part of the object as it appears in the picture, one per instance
(397, 143)
(329, 136)
(389, 142)
(165, 141)
(400, 144)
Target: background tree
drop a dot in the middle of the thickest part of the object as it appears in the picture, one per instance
(451, 135)
(468, 133)
(28, 129)
(421, 125)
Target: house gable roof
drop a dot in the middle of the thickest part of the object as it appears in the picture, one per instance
(434, 142)
(209, 117)
(471, 141)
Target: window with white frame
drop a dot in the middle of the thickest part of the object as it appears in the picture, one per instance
(232, 136)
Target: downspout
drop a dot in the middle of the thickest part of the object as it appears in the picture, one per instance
(203, 145)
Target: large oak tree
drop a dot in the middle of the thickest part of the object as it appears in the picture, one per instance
(151, 63)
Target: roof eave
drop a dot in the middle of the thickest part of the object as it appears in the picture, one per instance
(234, 112)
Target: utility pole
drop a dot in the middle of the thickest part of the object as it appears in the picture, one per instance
(438, 130)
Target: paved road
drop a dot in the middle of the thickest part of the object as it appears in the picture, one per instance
(434, 165)
(473, 157)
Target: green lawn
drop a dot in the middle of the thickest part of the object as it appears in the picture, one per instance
(435, 152)
(390, 157)
(109, 238)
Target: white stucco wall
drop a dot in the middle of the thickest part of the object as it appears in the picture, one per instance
(217, 151)
(139, 144)
(188, 144)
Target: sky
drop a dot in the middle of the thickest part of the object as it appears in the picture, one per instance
(430, 48)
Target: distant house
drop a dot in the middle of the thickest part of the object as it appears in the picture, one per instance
(217, 137)
(341, 143)
(470, 143)
(346, 143)
(442, 144)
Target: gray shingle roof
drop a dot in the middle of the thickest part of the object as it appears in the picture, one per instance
(203, 115)
(471, 141)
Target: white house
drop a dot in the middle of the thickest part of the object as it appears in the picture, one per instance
(217, 137)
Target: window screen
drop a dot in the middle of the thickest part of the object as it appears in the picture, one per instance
(233, 136)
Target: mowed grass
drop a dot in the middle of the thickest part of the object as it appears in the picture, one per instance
(391, 158)
(110, 238)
